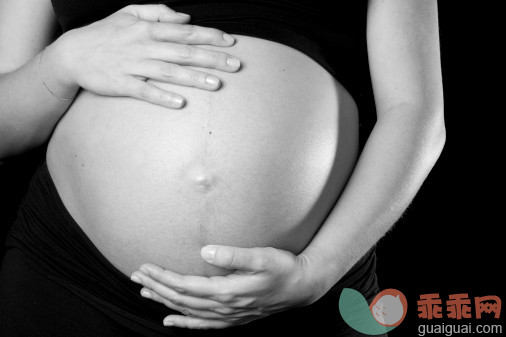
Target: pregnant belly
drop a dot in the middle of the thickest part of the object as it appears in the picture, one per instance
(260, 162)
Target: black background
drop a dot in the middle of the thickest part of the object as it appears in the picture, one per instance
(449, 240)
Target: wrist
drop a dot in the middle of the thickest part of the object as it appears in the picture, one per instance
(56, 71)
(320, 273)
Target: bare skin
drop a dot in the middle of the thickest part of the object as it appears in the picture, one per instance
(256, 163)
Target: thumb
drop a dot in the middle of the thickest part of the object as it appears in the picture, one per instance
(157, 13)
(247, 259)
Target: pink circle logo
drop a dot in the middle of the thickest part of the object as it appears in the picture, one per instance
(389, 307)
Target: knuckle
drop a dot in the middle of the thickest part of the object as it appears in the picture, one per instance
(225, 297)
(269, 250)
(163, 7)
(177, 285)
(260, 262)
(157, 299)
(224, 310)
(185, 51)
(231, 258)
(217, 58)
(188, 30)
(176, 300)
(168, 304)
(143, 27)
(159, 94)
(146, 91)
(127, 8)
(196, 77)
(216, 33)
(180, 290)
(246, 302)
(168, 70)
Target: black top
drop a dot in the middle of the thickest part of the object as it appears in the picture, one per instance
(333, 33)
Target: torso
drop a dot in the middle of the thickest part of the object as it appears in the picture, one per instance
(260, 162)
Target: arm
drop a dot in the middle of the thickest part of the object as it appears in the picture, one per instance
(403, 147)
(28, 112)
(405, 143)
(124, 54)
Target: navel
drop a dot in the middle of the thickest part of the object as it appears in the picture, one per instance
(202, 180)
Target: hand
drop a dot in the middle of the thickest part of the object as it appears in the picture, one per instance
(115, 56)
(265, 281)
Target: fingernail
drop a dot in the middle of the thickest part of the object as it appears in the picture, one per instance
(168, 322)
(228, 38)
(212, 81)
(184, 15)
(145, 294)
(136, 279)
(208, 253)
(178, 101)
(233, 62)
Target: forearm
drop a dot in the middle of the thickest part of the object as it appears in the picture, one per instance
(28, 110)
(398, 156)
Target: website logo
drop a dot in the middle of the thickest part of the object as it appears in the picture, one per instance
(386, 311)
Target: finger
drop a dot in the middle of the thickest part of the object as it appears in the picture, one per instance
(191, 312)
(152, 94)
(175, 297)
(193, 56)
(247, 259)
(176, 74)
(217, 312)
(157, 13)
(197, 286)
(233, 291)
(190, 34)
(194, 323)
